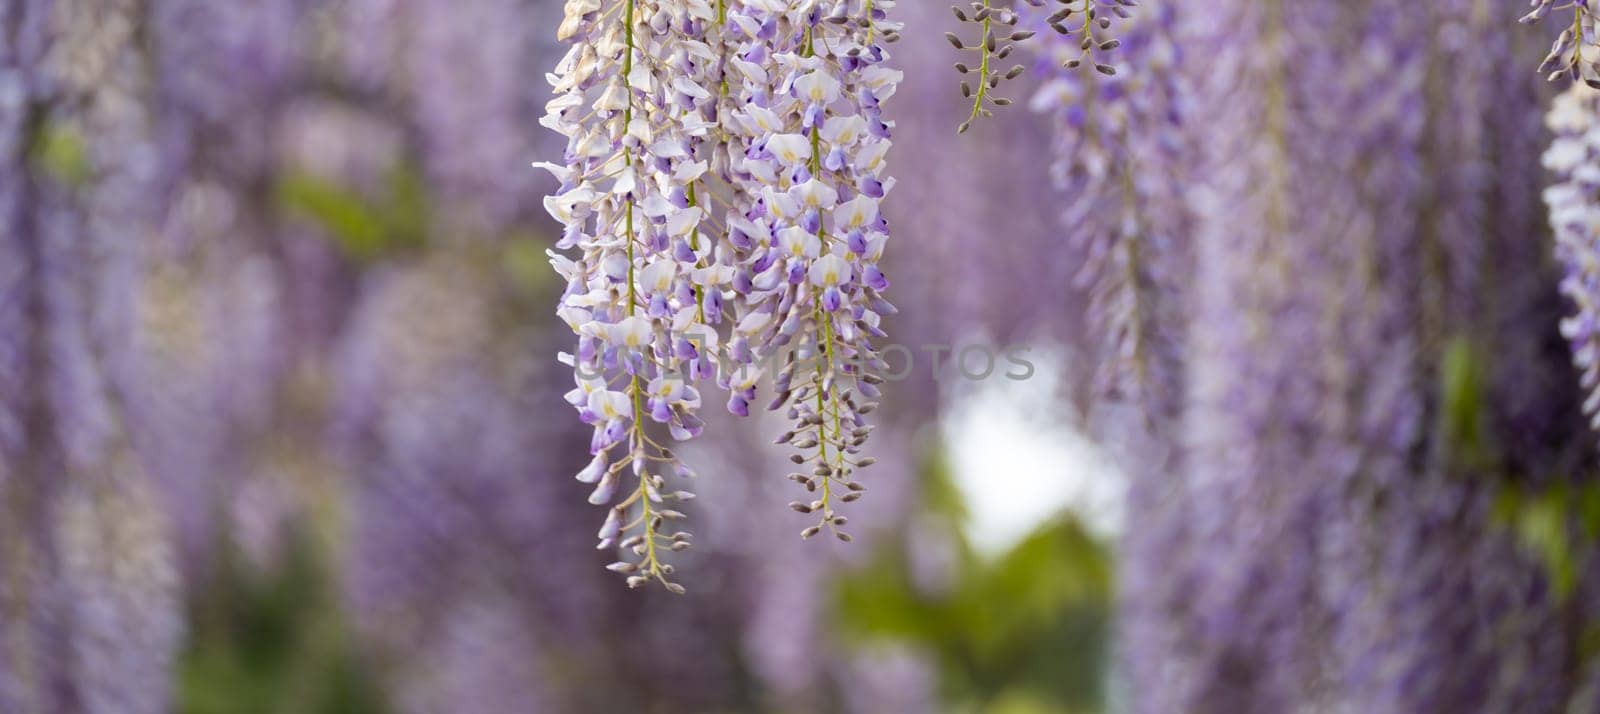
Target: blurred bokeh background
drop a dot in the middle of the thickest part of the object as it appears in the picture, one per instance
(283, 429)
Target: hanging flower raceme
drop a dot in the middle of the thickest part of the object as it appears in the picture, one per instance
(1574, 159)
(633, 113)
(814, 142)
(1084, 24)
(1119, 152)
(1088, 22)
(1566, 54)
(996, 38)
(723, 159)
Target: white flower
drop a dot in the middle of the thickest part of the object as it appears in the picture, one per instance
(752, 72)
(799, 242)
(615, 266)
(882, 80)
(597, 467)
(632, 332)
(689, 88)
(758, 232)
(593, 146)
(682, 221)
(571, 206)
(689, 171)
(829, 271)
(656, 206)
(791, 149)
(590, 299)
(761, 120)
(817, 87)
(843, 130)
(669, 388)
(584, 392)
(613, 99)
(625, 183)
(754, 322)
(574, 316)
(780, 205)
(713, 275)
(562, 173)
(1565, 154)
(609, 405)
(870, 158)
(566, 267)
(668, 149)
(575, 16)
(657, 277)
(875, 246)
(816, 194)
(641, 78)
(641, 129)
(855, 213)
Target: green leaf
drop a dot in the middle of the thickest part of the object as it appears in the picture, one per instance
(1027, 631)
(1462, 429)
(272, 641)
(353, 224)
(363, 229)
(405, 209)
(63, 154)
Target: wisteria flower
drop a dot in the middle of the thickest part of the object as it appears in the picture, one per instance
(723, 159)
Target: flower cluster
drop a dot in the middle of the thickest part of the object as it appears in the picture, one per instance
(721, 183)
(1566, 54)
(1119, 155)
(995, 42)
(1574, 159)
(1089, 23)
(815, 143)
(1084, 23)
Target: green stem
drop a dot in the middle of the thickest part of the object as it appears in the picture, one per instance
(651, 565)
(983, 67)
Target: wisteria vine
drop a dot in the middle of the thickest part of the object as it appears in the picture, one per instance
(724, 166)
